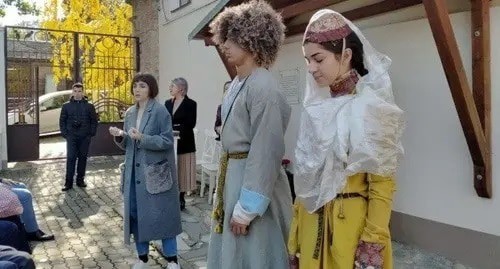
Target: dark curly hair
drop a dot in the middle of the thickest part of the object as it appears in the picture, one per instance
(255, 26)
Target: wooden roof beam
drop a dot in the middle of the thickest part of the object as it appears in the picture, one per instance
(476, 137)
(363, 12)
(305, 6)
(231, 69)
(481, 83)
(208, 41)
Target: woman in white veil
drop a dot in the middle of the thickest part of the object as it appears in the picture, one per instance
(347, 152)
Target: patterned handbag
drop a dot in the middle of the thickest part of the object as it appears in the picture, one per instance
(9, 203)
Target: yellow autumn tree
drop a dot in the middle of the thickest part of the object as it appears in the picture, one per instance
(106, 56)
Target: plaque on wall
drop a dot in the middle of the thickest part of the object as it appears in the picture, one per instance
(289, 83)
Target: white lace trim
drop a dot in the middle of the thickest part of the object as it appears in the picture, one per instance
(345, 136)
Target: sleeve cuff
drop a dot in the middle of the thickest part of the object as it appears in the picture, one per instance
(143, 141)
(250, 205)
(374, 234)
(253, 202)
(242, 216)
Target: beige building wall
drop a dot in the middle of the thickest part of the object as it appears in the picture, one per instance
(146, 28)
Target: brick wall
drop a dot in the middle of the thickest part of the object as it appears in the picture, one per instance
(146, 28)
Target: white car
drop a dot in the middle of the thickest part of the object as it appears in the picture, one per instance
(49, 106)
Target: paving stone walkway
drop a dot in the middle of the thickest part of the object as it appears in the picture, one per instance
(87, 222)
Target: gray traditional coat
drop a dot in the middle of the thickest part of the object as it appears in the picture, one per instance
(256, 124)
(159, 213)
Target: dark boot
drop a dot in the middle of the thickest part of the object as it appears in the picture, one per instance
(182, 201)
(80, 183)
(39, 236)
(67, 188)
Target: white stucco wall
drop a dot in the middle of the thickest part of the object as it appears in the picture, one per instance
(167, 15)
(435, 179)
(3, 120)
(200, 65)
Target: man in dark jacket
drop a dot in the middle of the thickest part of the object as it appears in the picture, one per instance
(78, 123)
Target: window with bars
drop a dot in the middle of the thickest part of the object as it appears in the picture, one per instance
(177, 4)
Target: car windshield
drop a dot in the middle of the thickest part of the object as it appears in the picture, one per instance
(55, 102)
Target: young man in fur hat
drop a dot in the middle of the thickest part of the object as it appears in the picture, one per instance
(253, 200)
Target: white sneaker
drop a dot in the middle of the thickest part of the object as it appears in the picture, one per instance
(173, 265)
(140, 265)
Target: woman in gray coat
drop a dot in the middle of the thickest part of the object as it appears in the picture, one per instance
(150, 190)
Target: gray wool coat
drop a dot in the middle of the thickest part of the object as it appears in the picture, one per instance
(256, 124)
(158, 209)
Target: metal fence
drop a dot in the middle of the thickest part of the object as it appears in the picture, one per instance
(41, 63)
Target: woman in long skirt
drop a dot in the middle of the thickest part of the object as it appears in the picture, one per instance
(183, 111)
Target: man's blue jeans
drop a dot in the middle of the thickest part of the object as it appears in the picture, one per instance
(169, 247)
(28, 217)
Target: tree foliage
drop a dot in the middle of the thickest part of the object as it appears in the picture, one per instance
(106, 60)
(24, 7)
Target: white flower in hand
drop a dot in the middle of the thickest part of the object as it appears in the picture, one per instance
(134, 134)
(115, 131)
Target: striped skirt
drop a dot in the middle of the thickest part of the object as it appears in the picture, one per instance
(186, 171)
